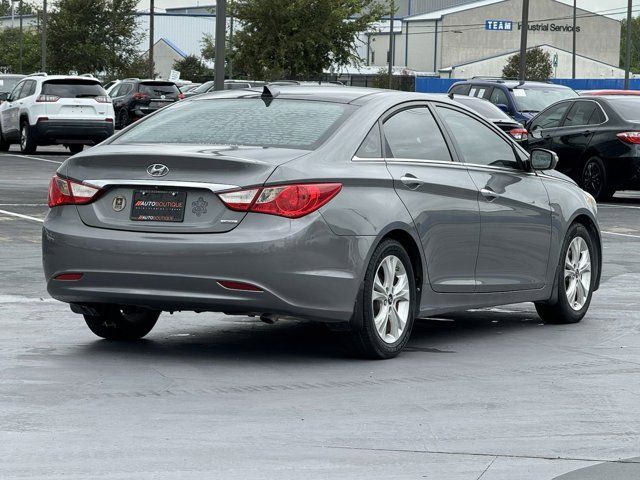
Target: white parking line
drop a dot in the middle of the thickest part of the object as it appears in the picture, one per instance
(23, 204)
(621, 234)
(19, 215)
(618, 206)
(33, 158)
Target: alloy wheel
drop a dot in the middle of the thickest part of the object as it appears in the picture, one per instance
(592, 178)
(23, 137)
(577, 273)
(390, 299)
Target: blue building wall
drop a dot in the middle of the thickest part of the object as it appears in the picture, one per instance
(441, 85)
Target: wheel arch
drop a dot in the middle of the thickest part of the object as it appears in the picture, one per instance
(590, 225)
(411, 244)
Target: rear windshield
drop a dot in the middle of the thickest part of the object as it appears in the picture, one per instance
(73, 88)
(537, 99)
(483, 107)
(7, 83)
(242, 121)
(627, 107)
(158, 88)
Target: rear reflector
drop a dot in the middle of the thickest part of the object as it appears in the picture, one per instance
(63, 191)
(68, 276)
(629, 137)
(519, 134)
(290, 201)
(232, 285)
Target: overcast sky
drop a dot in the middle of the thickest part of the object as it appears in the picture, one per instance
(593, 5)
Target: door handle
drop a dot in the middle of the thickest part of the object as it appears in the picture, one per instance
(411, 181)
(489, 194)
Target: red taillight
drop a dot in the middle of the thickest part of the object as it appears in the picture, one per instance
(102, 99)
(140, 96)
(233, 285)
(519, 134)
(630, 137)
(291, 201)
(47, 98)
(68, 276)
(181, 96)
(63, 191)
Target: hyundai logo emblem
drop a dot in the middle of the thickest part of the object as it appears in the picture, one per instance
(157, 170)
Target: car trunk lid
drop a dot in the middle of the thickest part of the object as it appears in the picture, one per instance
(172, 188)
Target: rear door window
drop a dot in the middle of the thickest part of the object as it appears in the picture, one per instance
(414, 134)
(598, 116)
(579, 114)
(460, 89)
(73, 88)
(372, 145)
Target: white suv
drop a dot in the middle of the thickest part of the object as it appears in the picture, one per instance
(46, 110)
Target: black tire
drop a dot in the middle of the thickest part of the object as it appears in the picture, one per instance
(594, 179)
(75, 148)
(561, 312)
(4, 146)
(367, 342)
(28, 142)
(114, 323)
(123, 119)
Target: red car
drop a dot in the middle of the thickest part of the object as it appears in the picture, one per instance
(610, 92)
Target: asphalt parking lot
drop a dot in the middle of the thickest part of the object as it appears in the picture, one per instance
(489, 394)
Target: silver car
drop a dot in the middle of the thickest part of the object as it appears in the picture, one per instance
(360, 208)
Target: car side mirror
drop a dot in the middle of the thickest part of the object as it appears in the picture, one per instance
(4, 96)
(542, 159)
(536, 132)
(503, 107)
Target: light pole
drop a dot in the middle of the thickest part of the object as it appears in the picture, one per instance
(152, 66)
(573, 56)
(627, 68)
(21, 41)
(43, 46)
(392, 43)
(523, 40)
(221, 31)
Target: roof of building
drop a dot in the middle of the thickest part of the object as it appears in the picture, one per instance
(177, 49)
(438, 14)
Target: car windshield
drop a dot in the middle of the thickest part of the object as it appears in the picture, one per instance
(204, 87)
(483, 107)
(537, 99)
(250, 121)
(627, 107)
(73, 88)
(7, 83)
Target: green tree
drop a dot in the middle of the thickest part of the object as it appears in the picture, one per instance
(10, 51)
(192, 68)
(635, 44)
(93, 36)
(538, 65)
(5, 8)
(298, 39)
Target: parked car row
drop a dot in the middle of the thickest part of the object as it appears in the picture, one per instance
(596, 135)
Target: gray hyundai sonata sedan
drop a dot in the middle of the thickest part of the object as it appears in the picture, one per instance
(360, 208)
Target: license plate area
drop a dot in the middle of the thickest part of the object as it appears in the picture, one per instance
(158, 205)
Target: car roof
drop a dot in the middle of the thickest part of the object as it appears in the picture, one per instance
(335, 94)
(61, 77)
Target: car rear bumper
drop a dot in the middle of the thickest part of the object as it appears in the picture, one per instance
(73, 131)
(303, 269)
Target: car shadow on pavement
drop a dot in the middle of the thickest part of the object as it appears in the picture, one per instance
(250, 339)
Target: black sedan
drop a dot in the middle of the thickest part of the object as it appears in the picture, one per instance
(597, 141)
